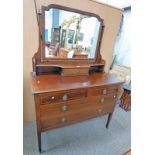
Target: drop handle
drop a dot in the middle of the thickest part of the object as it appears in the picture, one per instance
(102, 100)
(100, 111)
(64, 108)
(63, 119)
(104, 91)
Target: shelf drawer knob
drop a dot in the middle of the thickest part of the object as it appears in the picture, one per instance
(104, 91)
(114, 96)
(65, 97)
(63, 119)
(64, 108)
(52, 98)
(102, 100)
(100, 111)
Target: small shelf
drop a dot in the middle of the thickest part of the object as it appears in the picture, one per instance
(96, 69)
(68, 70)
(40, 70)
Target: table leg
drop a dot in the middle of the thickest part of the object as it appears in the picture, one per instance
(39, 140)
(109, 119)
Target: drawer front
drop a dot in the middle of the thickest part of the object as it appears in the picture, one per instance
(51, 110)
(53, 97)
(75, 71)
(90, 110)
(102, 100)
(70, 118)
(102, 91)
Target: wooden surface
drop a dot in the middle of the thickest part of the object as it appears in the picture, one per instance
(48, 83)
(62, 53)
(75, 71)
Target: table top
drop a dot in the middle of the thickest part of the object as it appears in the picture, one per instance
(47, 83)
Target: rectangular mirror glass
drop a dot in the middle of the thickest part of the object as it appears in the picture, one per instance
(70, 35)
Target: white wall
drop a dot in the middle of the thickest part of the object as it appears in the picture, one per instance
(122, 46)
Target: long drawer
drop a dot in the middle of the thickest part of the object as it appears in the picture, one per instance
(52, 110)
(80, 114)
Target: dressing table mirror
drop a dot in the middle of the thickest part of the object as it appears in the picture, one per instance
(68, 80)
(70, 34)
(69, 42)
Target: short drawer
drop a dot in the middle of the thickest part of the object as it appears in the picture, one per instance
(80, 115)
(103, 99)
(102, 91)
(61, 96)
(75, 71)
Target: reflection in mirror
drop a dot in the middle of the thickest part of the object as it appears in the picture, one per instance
(70, 35)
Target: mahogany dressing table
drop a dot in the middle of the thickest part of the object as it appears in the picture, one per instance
(69, 90)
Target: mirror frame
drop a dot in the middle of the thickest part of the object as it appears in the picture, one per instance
(42, 34)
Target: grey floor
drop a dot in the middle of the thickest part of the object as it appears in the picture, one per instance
(85, 138)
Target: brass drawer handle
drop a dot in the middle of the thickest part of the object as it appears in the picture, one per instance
(65, 97)
(63, 119)
(100, 111)
(64, 108)
(114, 96)
(104, 91)
(102, 100)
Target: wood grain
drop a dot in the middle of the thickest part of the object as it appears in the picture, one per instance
(56, 109)
(53, 97)
(86, 98)
(77, 116)
(52, 83)
(75, 71)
